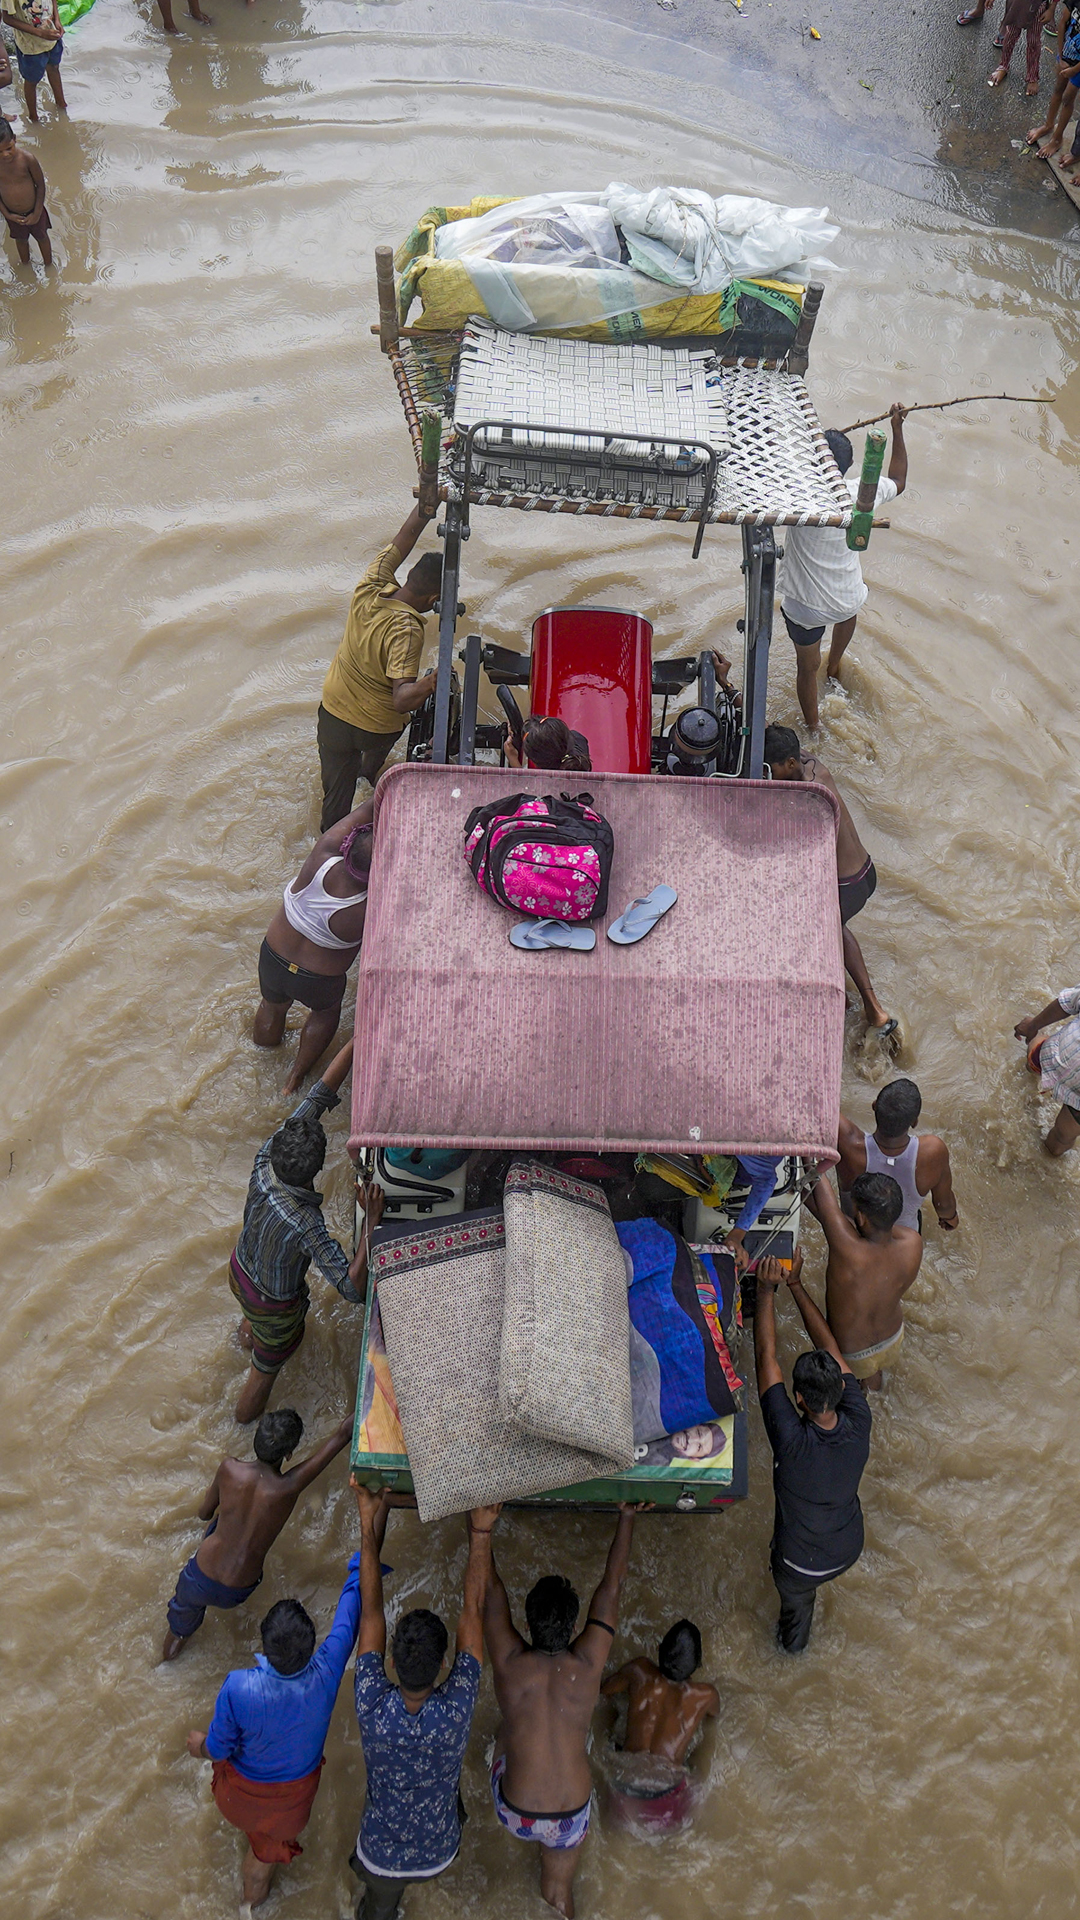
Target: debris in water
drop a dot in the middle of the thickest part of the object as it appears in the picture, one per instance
(814, 34)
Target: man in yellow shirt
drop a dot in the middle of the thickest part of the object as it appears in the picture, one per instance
(372, 685)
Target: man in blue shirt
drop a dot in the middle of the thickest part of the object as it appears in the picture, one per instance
(414, 1735)
(760, 1169)
(270, 1723)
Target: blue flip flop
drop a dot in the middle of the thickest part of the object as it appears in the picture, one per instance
(641, 916)
(533, 936)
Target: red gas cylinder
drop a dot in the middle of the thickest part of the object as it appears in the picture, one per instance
(592, 667)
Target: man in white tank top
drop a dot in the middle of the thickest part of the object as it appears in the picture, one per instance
(919, 1163)
(312, 941)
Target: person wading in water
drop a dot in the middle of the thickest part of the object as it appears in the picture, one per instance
(918, 1162)
(820, 1447)
(372, 685)
(247, 1504)
(856, 873)
(312, 941)
(872, 1263)
(665, 1709)
(547, 1693)
(283, 1233)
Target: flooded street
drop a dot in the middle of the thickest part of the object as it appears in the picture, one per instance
(203, 451)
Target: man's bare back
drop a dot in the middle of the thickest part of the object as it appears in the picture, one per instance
(663, 1715)
(547, 1701)
(867, 1275)
(252, 1502)
(851, 855)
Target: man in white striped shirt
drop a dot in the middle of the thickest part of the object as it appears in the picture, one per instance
(1056, 1059)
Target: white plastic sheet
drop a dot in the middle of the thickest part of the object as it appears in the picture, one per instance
(689, 240)
(554, 259)
(567, 236)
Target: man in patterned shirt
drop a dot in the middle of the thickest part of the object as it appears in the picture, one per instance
(414, 1735)
(372, 686)
(283, 1232)
(1057, 1061)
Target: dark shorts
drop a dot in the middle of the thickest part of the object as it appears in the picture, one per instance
(32, 65)
(195, 1591)
(37, 232)
(804, 636)
(855, 891)
(280, 981)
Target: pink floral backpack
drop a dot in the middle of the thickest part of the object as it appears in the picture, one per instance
(547, 857)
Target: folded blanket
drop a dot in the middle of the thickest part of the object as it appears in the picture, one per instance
(681, 1370)
(564, 1367)
(441, 1293)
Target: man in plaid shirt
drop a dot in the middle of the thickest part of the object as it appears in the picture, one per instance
(1057, 1061)
(283, 1232)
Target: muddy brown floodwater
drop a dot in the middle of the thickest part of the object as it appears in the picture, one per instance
(201, 452)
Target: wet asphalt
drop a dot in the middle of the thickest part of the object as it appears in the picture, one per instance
(898, 92)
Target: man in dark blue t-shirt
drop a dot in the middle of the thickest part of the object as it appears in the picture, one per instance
(819, 1454)
(414, 1734)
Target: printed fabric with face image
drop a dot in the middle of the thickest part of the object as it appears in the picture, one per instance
(695, 1445)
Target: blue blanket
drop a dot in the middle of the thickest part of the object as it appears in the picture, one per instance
(676, 1375)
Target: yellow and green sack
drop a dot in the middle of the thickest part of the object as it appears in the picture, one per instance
(755, 319)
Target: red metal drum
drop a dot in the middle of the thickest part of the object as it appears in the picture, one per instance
(592, 667)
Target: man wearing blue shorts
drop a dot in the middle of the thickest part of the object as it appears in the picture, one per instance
(39, 49)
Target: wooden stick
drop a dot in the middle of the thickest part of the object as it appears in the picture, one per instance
(935, 406)
(384, 281)
(430, 441)
(798, 357)
(408, 403)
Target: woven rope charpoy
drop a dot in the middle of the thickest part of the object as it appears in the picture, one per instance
(774, 465)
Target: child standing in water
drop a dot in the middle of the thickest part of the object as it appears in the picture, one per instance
(39, 49)
(22, 197)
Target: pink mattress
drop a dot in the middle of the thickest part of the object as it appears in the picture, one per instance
(722, 1031)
